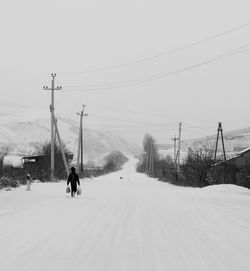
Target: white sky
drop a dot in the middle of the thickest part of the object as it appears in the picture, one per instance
(67, 37)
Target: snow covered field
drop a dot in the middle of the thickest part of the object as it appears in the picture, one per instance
(130, 224)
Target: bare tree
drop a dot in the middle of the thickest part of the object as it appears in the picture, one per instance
(42, 168)
(45, 149)
(4, 150)
(151, 155)
(197, 165)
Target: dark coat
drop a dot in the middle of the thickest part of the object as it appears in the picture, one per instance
(73, 179)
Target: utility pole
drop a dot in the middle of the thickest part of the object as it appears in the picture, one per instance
(61, 146)
(175, 139)
(220, 131)
(80, 141)
(52, 109)
(147, 164)
(146, 161)
(179, 148)
(151, 165)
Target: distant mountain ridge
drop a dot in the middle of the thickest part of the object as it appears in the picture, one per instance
(22, 134)
(235, 141)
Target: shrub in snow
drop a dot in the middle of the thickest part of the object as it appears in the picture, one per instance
(114, 161)
(7, 182)
(197, 165)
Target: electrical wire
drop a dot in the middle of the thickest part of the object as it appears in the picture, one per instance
(134, 124)
(137, 112)
(141, 124)
(146, 59)
(198, 127)
(131, 121)
(193, 132)
(142, 80)
(139, 128)
(72, 99)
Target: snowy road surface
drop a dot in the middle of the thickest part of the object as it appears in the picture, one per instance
(134, 224)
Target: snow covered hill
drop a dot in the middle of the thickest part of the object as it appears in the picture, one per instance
(235, 142)
(21, 129)
(134, 223)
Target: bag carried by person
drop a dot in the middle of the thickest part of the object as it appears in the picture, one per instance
(79, 191)
(68, 189)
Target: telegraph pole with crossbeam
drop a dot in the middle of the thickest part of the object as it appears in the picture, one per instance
(52, 109)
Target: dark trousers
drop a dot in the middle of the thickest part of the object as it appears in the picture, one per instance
(73, 189)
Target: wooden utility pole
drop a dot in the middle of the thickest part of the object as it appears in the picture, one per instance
(220, 131)
(83, 115)
(80, 140)
(61, 146)
(78, 149)
(151, 163)
(146, 162)
(52, 109)
(175, 154)
(179, 149)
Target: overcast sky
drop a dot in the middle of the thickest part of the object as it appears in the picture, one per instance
(100, 50)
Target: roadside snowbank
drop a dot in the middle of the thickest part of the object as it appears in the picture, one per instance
(227, 188)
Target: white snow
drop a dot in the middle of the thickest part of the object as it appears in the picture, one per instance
(135, 224)
(13, 160)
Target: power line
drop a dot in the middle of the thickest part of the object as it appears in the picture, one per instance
(131, 121)
(70, 113)
(65, 108)
(134, 124)
(141, 124)
(153, 77)
(146, 59)
(142, 127)
(145, 113)
(132, 128)
(73, 99)
(195, 132)
(198, 127)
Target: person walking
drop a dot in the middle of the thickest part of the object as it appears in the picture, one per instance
(73, 179)
(28, 182)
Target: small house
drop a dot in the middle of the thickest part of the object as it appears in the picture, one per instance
(235, 170)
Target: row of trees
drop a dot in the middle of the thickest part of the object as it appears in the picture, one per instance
(150, 156)
(40, 169)
(198, 168)
(152, 164)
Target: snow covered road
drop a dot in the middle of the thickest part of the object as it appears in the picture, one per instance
(130, 224)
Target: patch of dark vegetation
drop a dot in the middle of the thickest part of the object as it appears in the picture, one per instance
(8, 183)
